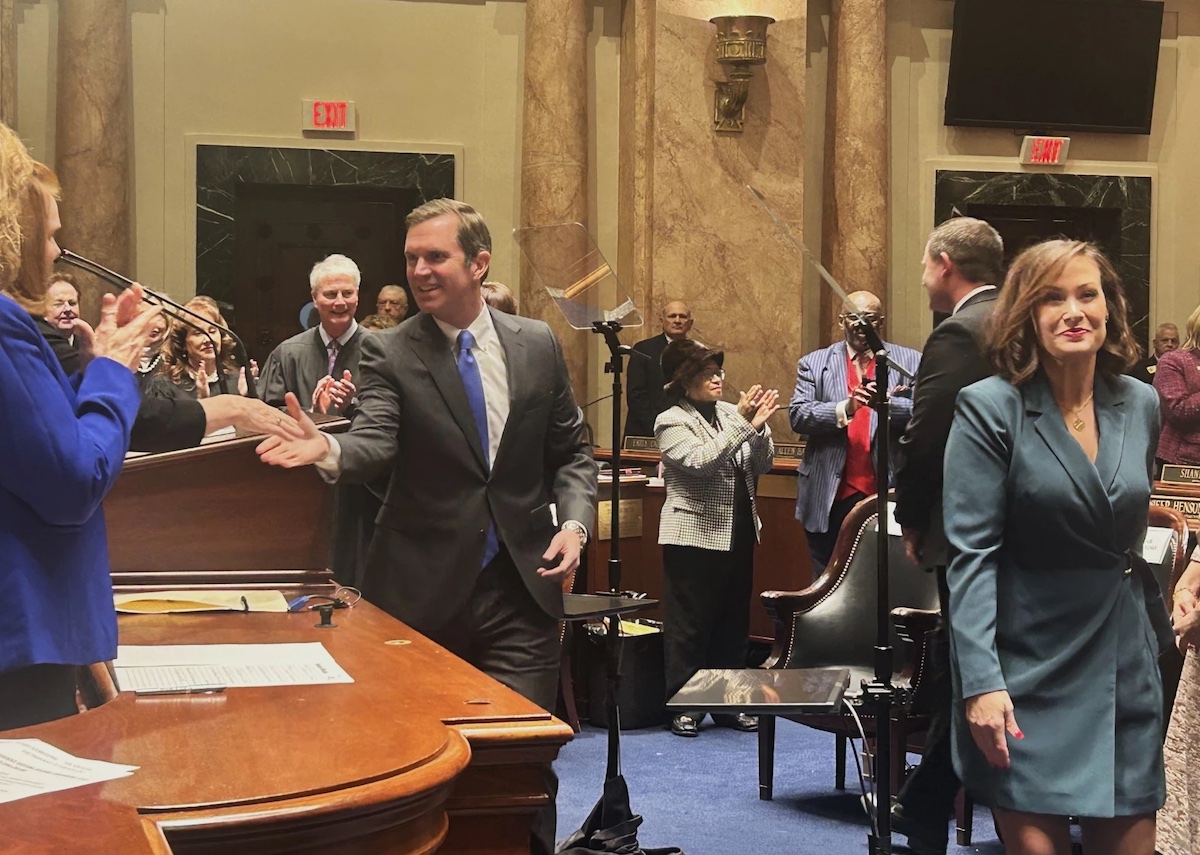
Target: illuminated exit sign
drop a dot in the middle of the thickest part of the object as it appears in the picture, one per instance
(1045, 151)
(327, 115)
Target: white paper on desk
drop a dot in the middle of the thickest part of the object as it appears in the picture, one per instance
(1154, 547)
(171, 666)
(29, 767)
(220, 433)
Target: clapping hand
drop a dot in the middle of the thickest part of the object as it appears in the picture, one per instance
(335, 393)
(756, 405)
(123, 330)
(243, 387)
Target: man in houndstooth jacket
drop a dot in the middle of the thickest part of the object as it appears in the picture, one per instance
(712, 454)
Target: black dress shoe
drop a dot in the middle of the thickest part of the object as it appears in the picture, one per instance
(923, 838)
(742, 721)
(684, 725)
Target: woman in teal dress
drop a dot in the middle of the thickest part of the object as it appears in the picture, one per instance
(1055, 621)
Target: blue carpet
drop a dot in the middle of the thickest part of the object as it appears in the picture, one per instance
(702, 794)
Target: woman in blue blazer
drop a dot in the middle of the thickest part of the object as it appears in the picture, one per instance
(62, 442)
(712, 454)
(1055, 621)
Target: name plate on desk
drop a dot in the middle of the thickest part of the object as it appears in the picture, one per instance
(631, 518)
(789, 450)
(639, 443)
(1180, 474)
(1190, 508)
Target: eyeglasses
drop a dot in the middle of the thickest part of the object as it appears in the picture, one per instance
(871, 318)
(719, 374)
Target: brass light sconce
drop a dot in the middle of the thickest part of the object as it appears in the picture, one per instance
(741, 45)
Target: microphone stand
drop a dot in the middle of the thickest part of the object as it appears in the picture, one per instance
(879, 692)
(610, 329)
(114, 278)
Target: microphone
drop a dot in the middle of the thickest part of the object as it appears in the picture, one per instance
(67, 257)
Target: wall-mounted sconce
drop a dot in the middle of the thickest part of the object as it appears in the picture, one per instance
(741, 45)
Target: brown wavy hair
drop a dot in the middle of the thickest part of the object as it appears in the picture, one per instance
(1012, 340)
(174, 364)
(28, 283)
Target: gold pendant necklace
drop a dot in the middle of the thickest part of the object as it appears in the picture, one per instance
(1077, 423)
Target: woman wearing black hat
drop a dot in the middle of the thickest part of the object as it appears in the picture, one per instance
(712, 454)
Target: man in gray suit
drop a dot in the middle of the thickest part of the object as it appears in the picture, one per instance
(963, 264)
(472, 411)
(832, 407)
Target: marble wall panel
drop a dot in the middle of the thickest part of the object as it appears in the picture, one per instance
(221, 168)
(956, 191)
(710, 243)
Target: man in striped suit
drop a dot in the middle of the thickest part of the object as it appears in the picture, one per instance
(831, 406)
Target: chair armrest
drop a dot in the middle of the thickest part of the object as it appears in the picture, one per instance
(783, 606)
(917, 628)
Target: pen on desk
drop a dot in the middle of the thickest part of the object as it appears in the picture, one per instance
(180, 690)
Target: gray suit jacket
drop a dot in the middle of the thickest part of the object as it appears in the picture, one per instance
(414, 417)
(820, 385)
(700, 467)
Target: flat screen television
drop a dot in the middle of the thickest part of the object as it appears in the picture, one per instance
(1054, 65)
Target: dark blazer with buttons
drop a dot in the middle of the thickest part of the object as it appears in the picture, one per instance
(644, 393)
(1178, 383)
(1045, 602)
(953, 357)
(414, 420)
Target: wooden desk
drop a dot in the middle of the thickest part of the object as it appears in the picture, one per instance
(781, 561)
(421, 751)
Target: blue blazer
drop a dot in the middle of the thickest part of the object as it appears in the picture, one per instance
(820, 385)
(1045, 601)
(62, 443)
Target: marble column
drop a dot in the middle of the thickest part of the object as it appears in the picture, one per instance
(8, 63)
(93, 134)
(554, 134)
(855, 221)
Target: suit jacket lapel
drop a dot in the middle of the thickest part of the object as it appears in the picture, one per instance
(1048, 422)
(433, 350)
(1110, 415)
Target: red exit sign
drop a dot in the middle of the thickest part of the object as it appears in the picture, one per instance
(1045, 151)
(327, 115)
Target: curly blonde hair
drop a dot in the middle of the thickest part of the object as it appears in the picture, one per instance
(24, 185)
(1013, 342)
(174, 364)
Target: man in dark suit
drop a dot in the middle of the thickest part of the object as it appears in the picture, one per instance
(1165, 340)
(57, 323)
(831, 406)
(492, 483)
(964, 261)
(644, 394)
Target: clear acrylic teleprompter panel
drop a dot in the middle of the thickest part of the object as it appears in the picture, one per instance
(575, 274)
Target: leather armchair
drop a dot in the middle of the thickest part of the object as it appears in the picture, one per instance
(832, 624)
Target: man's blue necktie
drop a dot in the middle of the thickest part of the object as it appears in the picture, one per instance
(468, 369)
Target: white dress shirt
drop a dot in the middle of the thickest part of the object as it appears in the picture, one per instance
(493, 371)
(341, 339)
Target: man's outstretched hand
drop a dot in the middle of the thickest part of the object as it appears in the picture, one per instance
(310, 447)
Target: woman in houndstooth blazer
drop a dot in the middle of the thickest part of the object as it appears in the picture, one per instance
(712, 454)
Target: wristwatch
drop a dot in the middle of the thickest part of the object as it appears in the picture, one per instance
(578, 528)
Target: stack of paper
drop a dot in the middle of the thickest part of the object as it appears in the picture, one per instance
(29, 767)
(179, 666)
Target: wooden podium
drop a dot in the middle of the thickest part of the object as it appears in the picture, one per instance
(421, 753)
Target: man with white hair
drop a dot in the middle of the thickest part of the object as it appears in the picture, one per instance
(321, 365)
